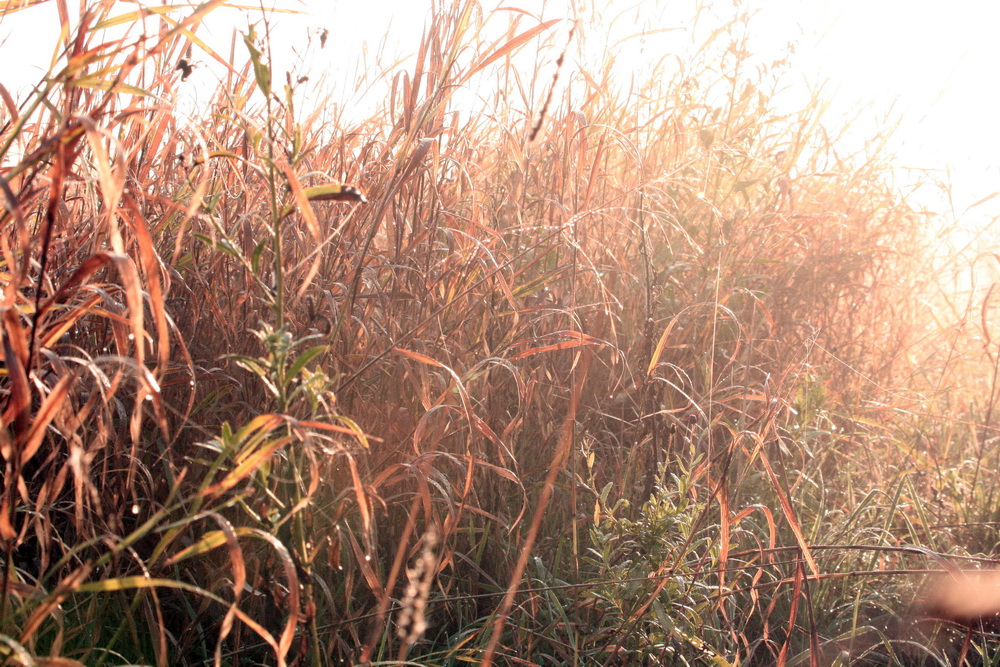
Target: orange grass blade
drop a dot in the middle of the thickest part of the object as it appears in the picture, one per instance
(359, 494)
(786, 509)
(422, 358)
(796, 596)
(248, 465)
(364, 564)
(46, 413)
(15, 348)
(71, 583)
(512, 45)
(351, 429)
(660, 345)
(577, 339)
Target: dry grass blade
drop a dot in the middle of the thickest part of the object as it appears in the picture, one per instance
(576, 339)
(11, 6)
(796, 598)
(559, 460)
(70, 584)
(497, 51)
(16, 359)
(788, 511)
(58, 662)
(397, 565)
(248, 464)
(50, 407)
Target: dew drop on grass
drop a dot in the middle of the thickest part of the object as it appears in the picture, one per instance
(368, 557)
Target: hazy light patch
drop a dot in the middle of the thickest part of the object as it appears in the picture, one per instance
(923, 65)
(348, 49)
(923, 70)
(28, 38)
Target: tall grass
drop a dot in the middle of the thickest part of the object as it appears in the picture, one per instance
(652, 377)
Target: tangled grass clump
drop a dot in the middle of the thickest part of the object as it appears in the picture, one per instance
(579, 378)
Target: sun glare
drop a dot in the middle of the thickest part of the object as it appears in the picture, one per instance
(911, 76)
(915, 72)
(920, 69)
(918, 72)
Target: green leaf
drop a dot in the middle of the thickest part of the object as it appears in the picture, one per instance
(218, 244)
(211, 540)
(258, 253)
(262, 73)
(358, 432)
(98, 83)
(129, 583)
(252, 365)
(304, 358)
(249, 464)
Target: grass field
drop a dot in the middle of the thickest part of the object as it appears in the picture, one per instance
(657, 376)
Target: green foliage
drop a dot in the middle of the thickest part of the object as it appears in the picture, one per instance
(644, 573)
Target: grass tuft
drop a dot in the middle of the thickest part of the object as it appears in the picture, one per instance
(522, 368)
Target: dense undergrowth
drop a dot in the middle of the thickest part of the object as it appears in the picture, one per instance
(643, 377)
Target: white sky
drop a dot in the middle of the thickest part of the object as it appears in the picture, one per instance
(930, 63)
(934, 64)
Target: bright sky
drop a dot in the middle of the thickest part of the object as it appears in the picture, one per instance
(929, 64)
